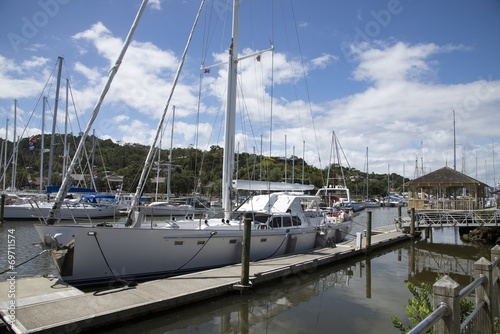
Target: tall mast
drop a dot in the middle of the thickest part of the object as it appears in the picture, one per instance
(14, 151)
(5, 153)
(43, 145)
(55, 211)
(170, 154)
(54, 122)
(454, 144)
(367, 192)
(65, 152)
(230, 121)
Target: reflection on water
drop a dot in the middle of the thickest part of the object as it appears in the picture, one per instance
(356, 296)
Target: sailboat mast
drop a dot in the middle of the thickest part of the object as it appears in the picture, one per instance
(65, 152)
(55, 211)
(230, 121)
(170, 155)
(5, 153)
(43, 145)
(14, 151)
(130, 215)
(54, 122)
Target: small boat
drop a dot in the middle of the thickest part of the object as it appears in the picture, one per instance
(69, 210)
(371, 203)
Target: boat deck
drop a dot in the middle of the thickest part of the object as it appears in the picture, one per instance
(47, 305)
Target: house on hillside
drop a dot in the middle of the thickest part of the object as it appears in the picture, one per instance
(446, 189)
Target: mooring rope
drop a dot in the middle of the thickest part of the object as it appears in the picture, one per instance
(20, 264)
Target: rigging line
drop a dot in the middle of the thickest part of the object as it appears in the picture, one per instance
(306, 85)
(117, 279)
(148, 161)
(66, 181)
(104, 165)
(245, 108)
(20, 264)
(226, 11)
(281, 244)
(206, 242)
(291, 71)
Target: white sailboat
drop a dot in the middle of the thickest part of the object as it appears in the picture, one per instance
(280, 223)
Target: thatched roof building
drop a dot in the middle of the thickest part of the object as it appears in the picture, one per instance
(446, 189)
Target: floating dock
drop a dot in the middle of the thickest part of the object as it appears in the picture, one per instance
(47, 305)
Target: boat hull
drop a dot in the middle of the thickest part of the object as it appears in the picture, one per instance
(86, 255)
(28, 212)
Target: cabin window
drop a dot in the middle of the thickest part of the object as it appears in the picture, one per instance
(296, 221)
(232, 241)
(260, 218)
(178, 243)
(276, 222)
(201, 242)
(263, 239)
(287, 221)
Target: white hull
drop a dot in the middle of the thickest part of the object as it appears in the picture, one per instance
(27, 212)
(87, 253)
(160, 209)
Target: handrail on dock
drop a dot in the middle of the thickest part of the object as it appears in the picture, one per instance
(446, 317)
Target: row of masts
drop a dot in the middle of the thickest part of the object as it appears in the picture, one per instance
(15, 147)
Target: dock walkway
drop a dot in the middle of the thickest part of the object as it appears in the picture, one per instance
(53, 307)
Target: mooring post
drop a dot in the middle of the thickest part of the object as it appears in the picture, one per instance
(483, 293)
(412, 224)
(447, 291)
(245, 256)
(368, 230)
(359, 240)
(495, 307)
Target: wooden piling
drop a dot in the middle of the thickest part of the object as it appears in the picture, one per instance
(245, 257)
(412, 225)
(368, 230)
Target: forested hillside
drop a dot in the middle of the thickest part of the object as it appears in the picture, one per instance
(190, 167)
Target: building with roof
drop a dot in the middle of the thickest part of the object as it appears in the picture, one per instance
(446, 189)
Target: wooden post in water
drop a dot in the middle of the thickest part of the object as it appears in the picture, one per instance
(368, 230)
(412, 224)
(245, 256)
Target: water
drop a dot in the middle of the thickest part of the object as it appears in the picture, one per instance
(356, 296)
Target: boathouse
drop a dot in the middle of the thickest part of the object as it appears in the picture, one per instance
(446, 189)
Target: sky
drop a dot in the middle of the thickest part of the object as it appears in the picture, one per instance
(398, 82)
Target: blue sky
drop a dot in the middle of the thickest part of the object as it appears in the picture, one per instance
(385, 75)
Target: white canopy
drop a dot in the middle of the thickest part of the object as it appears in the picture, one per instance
(270, 186)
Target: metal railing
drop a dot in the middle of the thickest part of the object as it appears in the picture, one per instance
(447, 296)
(458, 218)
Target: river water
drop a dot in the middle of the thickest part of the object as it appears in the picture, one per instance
(358, 295)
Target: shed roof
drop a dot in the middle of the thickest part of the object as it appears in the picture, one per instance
(445, 175)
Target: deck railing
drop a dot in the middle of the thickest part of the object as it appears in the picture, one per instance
(440, 204)
(457, 218)
(447, 296)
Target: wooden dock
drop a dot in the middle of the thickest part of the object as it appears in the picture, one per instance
(45, 305)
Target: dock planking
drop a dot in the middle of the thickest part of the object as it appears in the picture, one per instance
(51, 306)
